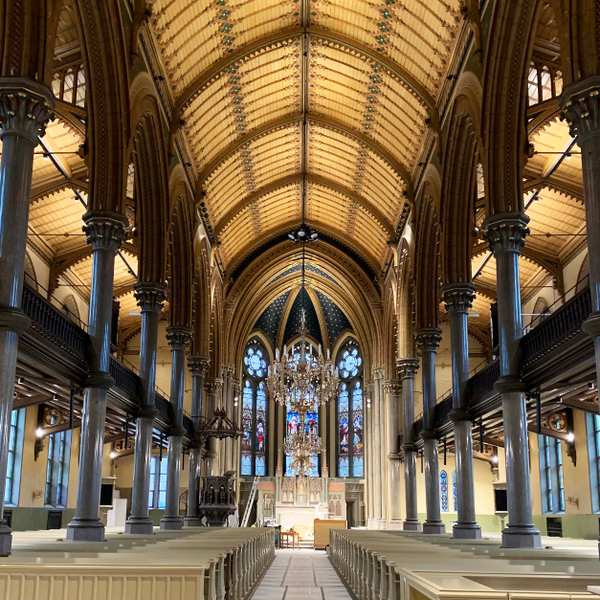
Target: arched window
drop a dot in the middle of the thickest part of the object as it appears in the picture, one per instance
(350, 412)
(311, 422)
(254, 410)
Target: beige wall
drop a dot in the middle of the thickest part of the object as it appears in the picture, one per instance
(163, 365)
(33, 472)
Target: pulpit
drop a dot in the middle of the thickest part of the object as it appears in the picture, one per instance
(217, 499)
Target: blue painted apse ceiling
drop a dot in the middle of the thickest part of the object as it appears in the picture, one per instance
(335, 319)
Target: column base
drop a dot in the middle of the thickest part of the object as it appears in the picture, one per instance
(466, 531)
(521, 537)
(85, 530)
(171, 523)
(192, 521)
(434, 528)
(139, 526)
(5, 539)
(411, 526)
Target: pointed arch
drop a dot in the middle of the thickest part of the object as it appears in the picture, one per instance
(151, 185)
(202, 298)
(462, 148)
(504, 127)
(427, 252)
(105, 53)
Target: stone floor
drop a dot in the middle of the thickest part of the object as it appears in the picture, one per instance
(300, 575)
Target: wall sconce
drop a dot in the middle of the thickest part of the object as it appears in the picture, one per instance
(38, 445)
(113, 454)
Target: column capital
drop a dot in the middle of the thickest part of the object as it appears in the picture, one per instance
(215, 385)
(198, 365)
(428, 339)
(150, 296)
(581, 107)
(25, 108)
(407, 367)
(178, 337)
(506, 232)
(458, 297)
(104, 230)
(393, 387)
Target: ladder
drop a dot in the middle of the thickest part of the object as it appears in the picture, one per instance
(250, 503)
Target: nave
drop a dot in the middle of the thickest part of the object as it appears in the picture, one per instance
(318, 273)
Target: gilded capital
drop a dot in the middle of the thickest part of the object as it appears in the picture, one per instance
(506, 232)
(25, 108)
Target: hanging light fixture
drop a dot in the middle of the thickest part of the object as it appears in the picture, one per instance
(299, 377)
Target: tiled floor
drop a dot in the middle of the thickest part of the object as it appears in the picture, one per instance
(301, 575)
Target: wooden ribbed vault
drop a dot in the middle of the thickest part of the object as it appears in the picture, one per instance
(246, 77)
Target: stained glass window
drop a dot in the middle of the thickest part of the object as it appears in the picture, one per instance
(311, 423)
(254, 411)
(350, 461)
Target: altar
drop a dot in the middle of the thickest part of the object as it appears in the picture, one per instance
(295, 502)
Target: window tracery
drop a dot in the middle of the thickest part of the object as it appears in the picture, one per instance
(254, 410)
(350, 412)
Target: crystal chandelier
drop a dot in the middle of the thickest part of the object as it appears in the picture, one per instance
(302, 446)
(298, 377)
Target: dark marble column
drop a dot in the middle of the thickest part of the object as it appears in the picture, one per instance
(178, 338)
(150, 298)
(105, 232)
(581, 108)
(506, 235)
(25, 109)
(459, 298)
(198, 367)
(407, 368)
(428, 341)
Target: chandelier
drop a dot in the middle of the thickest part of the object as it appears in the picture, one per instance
(302, 445)
(300, 378)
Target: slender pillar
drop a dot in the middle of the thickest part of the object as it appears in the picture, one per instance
(228, 405)
(377, 434)
(505, 234)
(581, 108)
(393, 389)
(428, 341)
(178, 337)
(407, 368)
(198, 367)
(150, 298)
(25, 109)
(105, 232)
(459, 298)
(212, 461)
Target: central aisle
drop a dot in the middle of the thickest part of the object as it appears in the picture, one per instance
(301, 574)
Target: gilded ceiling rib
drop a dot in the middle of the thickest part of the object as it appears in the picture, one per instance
(340, 42)
(283, 182)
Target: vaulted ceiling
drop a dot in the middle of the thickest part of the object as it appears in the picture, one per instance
(323, 96)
